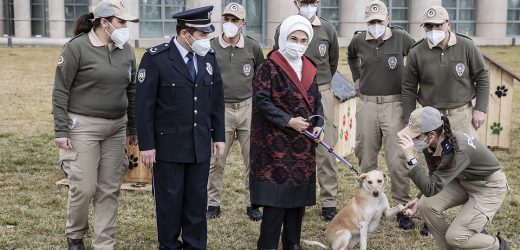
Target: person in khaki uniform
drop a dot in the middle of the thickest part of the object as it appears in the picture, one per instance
(460, 172)
(323, 50)
(446, 71)
(238, 57)
(376, 59)
(91, 134)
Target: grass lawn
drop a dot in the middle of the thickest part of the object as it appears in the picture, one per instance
(33, 209)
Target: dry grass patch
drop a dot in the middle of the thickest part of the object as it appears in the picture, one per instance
(33, 209)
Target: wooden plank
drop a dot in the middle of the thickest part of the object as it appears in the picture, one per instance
(506, 109)
(493, 114)
(136, 172)
(346, 128)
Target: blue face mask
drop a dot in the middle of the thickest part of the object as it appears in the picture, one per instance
(420, 145)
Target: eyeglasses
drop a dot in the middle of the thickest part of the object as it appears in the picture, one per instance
(433, 26)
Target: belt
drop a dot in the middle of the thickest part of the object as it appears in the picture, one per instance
(380, 99)
(237, 105)
(324, 87)
(448, 112)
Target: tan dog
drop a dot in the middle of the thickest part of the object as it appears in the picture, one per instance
(361, 215)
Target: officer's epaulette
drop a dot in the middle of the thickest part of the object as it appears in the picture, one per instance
(158, 49)
(462, 35)
(359, 32)
(415, 44)
(396, 27)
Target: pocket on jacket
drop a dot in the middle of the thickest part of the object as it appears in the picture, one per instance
(172, 86)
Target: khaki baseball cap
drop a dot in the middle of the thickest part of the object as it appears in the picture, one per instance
(117, 8)
(422, 120)
(235, 9)
(376, 10)
(436, 15)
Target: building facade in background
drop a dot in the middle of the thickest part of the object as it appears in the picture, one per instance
(490, 22)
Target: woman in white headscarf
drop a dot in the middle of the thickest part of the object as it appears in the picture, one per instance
(283, 162)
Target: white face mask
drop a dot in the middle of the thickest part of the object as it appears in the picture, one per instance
(294, 51)
(201, 46)
(119, 36)
(230, 29)
(436, 36)
(376, 30)
(420, 145)
(308, 11)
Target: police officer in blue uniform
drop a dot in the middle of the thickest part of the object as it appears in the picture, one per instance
(179, 112)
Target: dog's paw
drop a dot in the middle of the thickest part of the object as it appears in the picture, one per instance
(401, 207)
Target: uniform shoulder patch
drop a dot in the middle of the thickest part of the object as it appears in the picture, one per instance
(462, 35)
(359, 32)
(158, 49)
(417, 43)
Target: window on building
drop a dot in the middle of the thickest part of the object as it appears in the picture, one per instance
(462, 15)
(8, 17)
(74, 9)
(40, 18)
(156, 17)
(254, 17)
(513, 17)
(399, 12)
(329, 9)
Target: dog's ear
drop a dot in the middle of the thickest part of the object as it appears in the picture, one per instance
(387, 178)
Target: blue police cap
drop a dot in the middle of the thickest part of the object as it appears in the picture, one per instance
(198, 18)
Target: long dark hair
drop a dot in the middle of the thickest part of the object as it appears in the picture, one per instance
(448, 158)
(86, 22)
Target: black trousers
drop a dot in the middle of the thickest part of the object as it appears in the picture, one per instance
(181, 198)
(272, 221)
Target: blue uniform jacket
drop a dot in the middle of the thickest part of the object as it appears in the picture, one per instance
(175, 115)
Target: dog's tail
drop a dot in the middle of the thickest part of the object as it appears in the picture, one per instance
(314, 243)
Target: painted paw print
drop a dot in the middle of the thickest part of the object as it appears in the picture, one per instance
(133, 162)
(501, 91)
(496, 128)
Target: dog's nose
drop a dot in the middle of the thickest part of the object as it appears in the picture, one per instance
(375, 193)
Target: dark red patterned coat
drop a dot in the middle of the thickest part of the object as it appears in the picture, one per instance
(283, 161)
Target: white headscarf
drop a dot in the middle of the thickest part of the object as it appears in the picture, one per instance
(290, 25)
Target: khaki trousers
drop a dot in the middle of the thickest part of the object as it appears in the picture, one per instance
(480, 201)
(327, 169)
(377, 124)
(94, 167)
(238, 124)
(461, 120)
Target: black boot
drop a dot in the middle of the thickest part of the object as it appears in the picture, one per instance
(503, 243)
(254, 213)
(213, 212)
(75, 244)
(328, 213)
(405, 222)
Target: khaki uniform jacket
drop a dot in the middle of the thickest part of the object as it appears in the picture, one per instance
(379, 64)
(445, 78)
(473, 161)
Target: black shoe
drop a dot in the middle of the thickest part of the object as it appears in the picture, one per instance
(484, 231)
(254, 214)
(213, 212)
(75, 244)
(328, 213)
(425, 230)
(405, 222)
(293, 247)
(503, 243)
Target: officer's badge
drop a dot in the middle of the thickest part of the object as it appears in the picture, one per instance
(431, 13)
(233, 7)
(246, 69)
(374, 8)
(60, 60)
(392, 62)
(459, 68)
(209, 68)
(322, 49)
(141, 75)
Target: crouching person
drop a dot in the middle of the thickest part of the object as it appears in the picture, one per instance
(461, 171)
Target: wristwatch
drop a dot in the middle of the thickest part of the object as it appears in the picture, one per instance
(412, 162)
